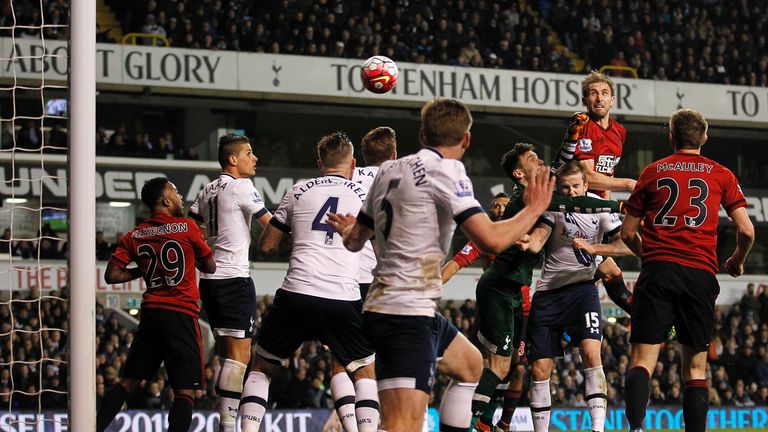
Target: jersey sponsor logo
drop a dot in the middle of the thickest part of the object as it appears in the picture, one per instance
(466, 250)
(585, 144)
(463, 188)
(606, 163)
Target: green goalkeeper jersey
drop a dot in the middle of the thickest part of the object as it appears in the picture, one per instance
(516, 265)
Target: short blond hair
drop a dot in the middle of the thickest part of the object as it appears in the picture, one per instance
(571, 168)
(444, 122)
(688, 127)
(335, 149)
(596, 77)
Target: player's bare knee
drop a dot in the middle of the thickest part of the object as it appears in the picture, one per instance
(268, 367)
(499, 364)
(365, 372)
(474, 366)
(541, 369)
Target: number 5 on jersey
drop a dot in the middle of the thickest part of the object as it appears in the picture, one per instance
(386, 206)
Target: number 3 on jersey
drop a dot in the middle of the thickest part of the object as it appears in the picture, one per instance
(330, 206)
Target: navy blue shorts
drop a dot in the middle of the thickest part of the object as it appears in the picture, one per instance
(445, 332)
(230, 305)
(405, 350)
(170, 337)
(573, 308)
(670, 294)
(295, 318)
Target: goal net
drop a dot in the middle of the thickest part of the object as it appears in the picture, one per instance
(35, 305)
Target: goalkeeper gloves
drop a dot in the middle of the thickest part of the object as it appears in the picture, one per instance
(578, 121)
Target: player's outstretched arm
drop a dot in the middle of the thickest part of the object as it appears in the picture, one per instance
(495, 237)
(600, 181)
(449, 269)
(206, 264)
(264, 219)
(745, 237)
(583, 204)
(116, 274)
(351, 230)
(630, 234)
(615, 248)
(269, 241)
(537, 239)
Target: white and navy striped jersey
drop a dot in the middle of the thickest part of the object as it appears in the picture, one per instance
(564, 264)
(226, 206)
(413, 207)
(365, 176)
(320, 265)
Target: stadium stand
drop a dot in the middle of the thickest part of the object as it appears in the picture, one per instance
(717, 44)
(738, 360)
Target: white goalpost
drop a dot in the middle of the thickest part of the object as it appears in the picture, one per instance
(82, 207)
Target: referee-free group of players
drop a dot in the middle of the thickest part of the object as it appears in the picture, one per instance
(367, 265)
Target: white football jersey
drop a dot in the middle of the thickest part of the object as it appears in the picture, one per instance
(365, 176)
(564, 264)
(320, 265)
(413, 207)
(226, 206)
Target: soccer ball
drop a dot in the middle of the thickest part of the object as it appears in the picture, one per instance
(379, 74)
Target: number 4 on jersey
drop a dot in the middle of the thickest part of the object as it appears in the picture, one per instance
(330, 206)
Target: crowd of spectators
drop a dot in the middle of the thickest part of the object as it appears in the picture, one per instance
(143, 144)
(709, 42)
(47, 246)
(665, 40)
(36, 340)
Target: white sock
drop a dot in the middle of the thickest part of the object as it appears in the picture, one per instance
(597, 396)
(229, 389)
(255, 395)
(456, 406)
(367, 405)
(343, 392)
(541, 405)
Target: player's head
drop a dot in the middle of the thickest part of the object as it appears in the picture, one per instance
(335, 153)
(687, 129)
(571, 179)
(498, 204)
(519, 160)
(379, 145)
(236, 156)
(598, 94)
(161, 196)
(445, 123)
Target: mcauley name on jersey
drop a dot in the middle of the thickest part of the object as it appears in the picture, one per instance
(684, 166)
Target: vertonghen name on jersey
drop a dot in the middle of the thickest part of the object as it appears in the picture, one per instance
(351, 185)
(684, 166)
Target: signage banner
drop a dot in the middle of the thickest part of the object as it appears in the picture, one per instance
(20, 275)
(312, 420)
(124, 182)
(287, 76)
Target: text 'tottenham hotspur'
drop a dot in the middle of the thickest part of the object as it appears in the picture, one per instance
(684, 166)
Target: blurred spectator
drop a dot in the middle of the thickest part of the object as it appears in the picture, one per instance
(103, 251)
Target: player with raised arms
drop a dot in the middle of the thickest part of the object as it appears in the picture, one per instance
(414, 206)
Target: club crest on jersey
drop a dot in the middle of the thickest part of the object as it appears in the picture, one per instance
(585, 144)
(463, 188)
